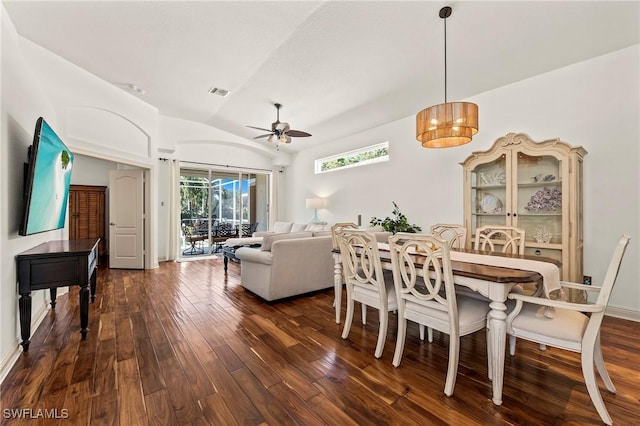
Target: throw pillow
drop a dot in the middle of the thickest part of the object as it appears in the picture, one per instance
(282, 227)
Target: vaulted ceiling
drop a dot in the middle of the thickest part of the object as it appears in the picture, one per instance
(338, 67)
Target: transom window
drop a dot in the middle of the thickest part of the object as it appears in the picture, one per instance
(358, 157)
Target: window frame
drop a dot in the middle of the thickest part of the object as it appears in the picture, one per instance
(355, 152)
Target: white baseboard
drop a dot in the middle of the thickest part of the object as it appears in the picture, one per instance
(622, 313)
(8, 361)
(6, 364)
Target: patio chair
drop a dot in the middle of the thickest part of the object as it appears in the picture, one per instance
(221, 233)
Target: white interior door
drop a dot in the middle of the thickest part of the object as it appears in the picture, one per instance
(126, 219)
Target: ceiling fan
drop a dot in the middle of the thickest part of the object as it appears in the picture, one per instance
(280, 132)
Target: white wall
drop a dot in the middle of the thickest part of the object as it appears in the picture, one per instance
(91, 170)
(23, 101)
(37, 83)
(594, 104)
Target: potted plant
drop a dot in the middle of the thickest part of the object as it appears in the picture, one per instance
(398, 223)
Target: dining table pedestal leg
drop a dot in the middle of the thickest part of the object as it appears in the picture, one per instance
(497, 341)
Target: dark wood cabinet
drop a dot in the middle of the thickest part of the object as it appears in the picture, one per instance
(87, 214)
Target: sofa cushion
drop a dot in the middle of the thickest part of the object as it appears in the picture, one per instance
(282, 227)
(321, 233)
(238, 242)
(268, 240)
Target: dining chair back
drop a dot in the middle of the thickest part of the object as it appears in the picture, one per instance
(455, 235)
(570, 327)
(425, 292)
(365, 280)
(336, 228)
(507, 239)
(337, 286)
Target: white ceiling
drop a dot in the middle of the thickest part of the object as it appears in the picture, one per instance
(338, 67)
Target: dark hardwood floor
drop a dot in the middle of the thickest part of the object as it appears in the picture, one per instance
(185, 344)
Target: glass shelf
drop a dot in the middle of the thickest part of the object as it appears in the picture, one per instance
(484, 187)
(539, 184)
(529, 214)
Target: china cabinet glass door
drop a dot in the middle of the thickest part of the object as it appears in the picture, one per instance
(539, 209)
(490, 192)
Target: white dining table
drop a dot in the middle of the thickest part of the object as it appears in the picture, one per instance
(478, 271)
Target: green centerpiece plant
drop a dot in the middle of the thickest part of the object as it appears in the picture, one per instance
(398, 223)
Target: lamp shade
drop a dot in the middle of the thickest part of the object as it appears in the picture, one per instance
(446, 125)
(315, 203)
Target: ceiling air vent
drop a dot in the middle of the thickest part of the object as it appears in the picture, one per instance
(218, 91)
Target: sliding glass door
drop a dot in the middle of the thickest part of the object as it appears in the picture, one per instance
(216, 205)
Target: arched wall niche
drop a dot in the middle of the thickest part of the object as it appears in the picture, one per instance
(107, 129)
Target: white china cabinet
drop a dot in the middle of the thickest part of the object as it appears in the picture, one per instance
(535, 186)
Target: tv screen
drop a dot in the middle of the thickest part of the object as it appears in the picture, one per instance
(48, 177)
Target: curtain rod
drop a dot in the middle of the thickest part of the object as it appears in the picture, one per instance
(227, 166)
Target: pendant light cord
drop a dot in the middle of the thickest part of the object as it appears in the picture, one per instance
(445, 60)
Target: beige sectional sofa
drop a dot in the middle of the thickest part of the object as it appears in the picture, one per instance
(287, 264)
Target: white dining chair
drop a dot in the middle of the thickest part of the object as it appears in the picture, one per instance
(570, 327)
(505, 239)
(337, 297)
(455, 236)
(431, 299)
(501, 239)
(365, 280)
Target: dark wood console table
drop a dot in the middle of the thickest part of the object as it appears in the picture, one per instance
(57, 264)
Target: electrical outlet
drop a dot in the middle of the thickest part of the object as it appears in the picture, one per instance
(586, 280)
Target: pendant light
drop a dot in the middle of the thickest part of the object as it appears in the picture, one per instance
(451, 123)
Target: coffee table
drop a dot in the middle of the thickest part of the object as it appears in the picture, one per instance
(229, 253)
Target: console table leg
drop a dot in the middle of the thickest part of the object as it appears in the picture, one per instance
(53, 292)
(94, 279)
(226, 262)
(24, 304)
(84, 311)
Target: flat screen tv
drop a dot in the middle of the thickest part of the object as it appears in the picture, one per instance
(47, 180)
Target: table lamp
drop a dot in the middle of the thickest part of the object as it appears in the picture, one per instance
(315, 204)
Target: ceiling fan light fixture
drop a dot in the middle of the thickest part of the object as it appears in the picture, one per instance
(451, 123)
(280, 132)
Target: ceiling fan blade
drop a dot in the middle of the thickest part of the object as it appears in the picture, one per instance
(263, 136)
(297, 133)
(260, 128)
